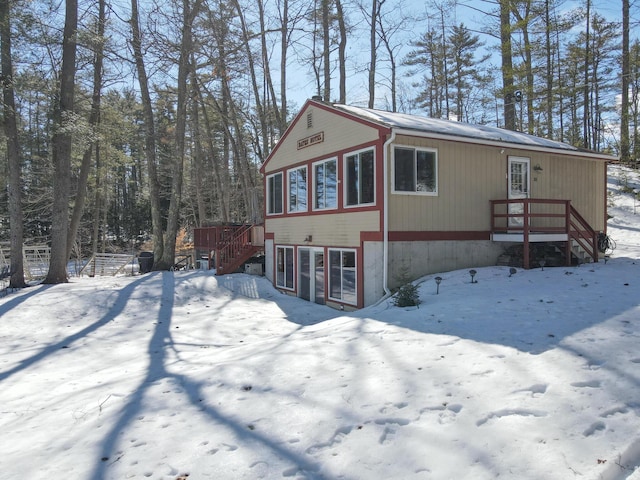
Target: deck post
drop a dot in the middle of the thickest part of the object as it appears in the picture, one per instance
(525, 235)
(567, 216)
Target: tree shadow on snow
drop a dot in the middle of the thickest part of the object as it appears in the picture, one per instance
(119, 304)
(160, 344)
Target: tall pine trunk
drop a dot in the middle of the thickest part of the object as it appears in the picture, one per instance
(94, 121)
(16, 217)
(626, 73)
(149, 134)
(507, 66)
(61, 149)
(173, 217)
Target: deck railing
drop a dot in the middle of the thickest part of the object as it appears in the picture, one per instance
(529, 216)
(228, 246)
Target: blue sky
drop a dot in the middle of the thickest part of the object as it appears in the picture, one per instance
(302, 86)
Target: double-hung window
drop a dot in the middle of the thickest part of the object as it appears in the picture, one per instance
(360, 178)
(297, 189)
(415, 170)
(284, 267)
(274, 194)
(342, 276)
(325, 194)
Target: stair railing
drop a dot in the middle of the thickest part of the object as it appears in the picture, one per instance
(234, 247)
(581, 232)
(575, 226)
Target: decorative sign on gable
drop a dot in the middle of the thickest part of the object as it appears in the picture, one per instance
(311, 140)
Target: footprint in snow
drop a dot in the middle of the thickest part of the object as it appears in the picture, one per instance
(393, 406)
(387, 434)
(537, 389)
(589, 384)
(511, 412)
(336, 438)
(447, 413)
(615, 410)
(595, 427)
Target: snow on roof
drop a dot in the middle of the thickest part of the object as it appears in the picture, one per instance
(458, 129)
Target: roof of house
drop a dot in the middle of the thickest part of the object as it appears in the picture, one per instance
(460, 129)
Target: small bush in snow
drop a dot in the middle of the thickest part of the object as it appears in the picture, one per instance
(407, 296)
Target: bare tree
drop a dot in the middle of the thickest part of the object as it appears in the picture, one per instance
(508, 89)
(524, 20)
(626, 74)
(13, 149)
(549, 69)
(94, 120)
(61, 149)
(373, 51)
(149, 133)
(326, 49)
(390, 23)
(189, 12)
(586, 132)
(342, 52)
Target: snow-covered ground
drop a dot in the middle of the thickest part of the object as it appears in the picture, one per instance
(174, 375)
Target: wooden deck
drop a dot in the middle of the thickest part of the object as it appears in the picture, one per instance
(533, 220)
(227, 247)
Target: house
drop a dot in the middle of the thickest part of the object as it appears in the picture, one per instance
(359, 201)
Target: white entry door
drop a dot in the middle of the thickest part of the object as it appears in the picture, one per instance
(311, 274)
(519, 175)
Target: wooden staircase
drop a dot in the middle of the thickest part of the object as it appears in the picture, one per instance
(237, 250)
(228, 247)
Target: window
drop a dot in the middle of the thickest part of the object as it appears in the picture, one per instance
(298, 189)
(359, 178)
(284, 267)
(342, 276)
(325, 193)
(274, 194)
(415, 170)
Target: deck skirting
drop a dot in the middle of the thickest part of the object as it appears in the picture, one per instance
(533, 237)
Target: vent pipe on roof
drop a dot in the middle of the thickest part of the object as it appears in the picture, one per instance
(317, 98)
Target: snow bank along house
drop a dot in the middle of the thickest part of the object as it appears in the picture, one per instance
(359, 201)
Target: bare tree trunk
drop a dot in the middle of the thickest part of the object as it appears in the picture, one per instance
(587, 59)
(507, 66)
(184, 66)
(373, 53)
(94, 121)
(149, 134)
(270, 94)
(445, 60)
(61, 149)
(219, 173)
(246, 36)
(524, 26)
(561, 109)
(198, 156)
(549, 79)
(626, 72)
(284, 46)
(326, 52)
(97, 207)
(342, 53)
(13, 150)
